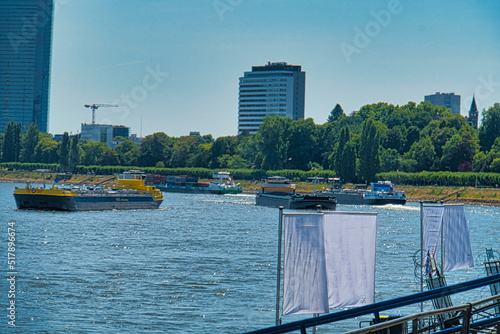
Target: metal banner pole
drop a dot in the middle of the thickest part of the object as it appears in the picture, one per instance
(278, 267)
(442, 244)
(421, 252)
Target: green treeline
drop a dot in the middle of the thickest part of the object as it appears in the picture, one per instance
(403, 143)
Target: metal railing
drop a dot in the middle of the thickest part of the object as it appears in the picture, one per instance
(464, 312)
(420, 297)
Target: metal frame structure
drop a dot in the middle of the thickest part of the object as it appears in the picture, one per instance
(413, 299)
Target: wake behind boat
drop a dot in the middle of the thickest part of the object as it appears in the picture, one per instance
(129, 193)
(279, 191)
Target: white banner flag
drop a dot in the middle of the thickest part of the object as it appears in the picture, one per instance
(456, 239)
(350, 241)
(304, 282)
(329, 261)
(432, 218)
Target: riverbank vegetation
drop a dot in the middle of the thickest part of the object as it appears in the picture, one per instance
(409, 144)
(470, 195)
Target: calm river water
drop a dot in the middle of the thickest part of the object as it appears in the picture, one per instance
(199, 264)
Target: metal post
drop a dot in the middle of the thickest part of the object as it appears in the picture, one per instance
(442, 243)
(278, 267)
(318, 210)
(421, 252)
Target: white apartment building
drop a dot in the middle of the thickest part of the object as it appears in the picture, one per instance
(275, 89)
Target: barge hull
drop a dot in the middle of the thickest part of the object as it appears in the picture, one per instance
(85, 203)
(45, 202)
(288, 202)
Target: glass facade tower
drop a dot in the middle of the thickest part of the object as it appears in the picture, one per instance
(25, 59)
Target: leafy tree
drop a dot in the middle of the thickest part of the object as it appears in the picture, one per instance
(29, 141)
(377, 111)
(335, 113)
(412, 136)
(348, 168)
(368, 151)
(232, 161)
(12, 142)
(408, 165)
(439, 137)
(345, 137)
(128, 152)
(394, 139)
(64, 153)
(480, 162)
(327, 137)
(110, 158)
(153, 149)
(92, 152)
(460, 149)
(17, 141)
(203, 155)
(247, 148)
(389, 160)
(423, 154)
(222, 146)
(74, 154)
(495, 166)
(46, 151)
(273, 139)
(490, 127)
(302, 143)
(183, 152)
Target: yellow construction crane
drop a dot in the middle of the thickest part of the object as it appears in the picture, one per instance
(94, 107)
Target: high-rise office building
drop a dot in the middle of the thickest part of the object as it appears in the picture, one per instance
(448, 100)
(25, 58)
(269, 90)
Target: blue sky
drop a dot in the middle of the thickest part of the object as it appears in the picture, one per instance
(175, 64)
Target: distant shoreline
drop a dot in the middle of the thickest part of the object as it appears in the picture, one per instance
(465, 195)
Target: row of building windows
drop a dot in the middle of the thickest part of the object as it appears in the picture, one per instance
(264, 85)
(260, 116)
(262, 80)
(263, 100)
(256, 121)
(267, 74)
(263, 90)
(243, 110)
(262, 95)
(244, 105)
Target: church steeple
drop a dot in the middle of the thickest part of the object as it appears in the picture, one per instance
(473, 117)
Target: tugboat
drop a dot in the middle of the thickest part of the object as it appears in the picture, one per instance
(279, 191)
(129, 193)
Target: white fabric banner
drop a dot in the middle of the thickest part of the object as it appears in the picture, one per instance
(304, 282)
(456, 239)
(329, 261)
(432, 221)
(350, 246)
